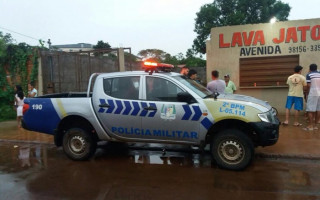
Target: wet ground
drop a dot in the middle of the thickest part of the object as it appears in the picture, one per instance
(31, 167)
(41, 171)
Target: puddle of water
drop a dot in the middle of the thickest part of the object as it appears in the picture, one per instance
(172, 158)
(19, 157)
(35, 171)
(159, 154)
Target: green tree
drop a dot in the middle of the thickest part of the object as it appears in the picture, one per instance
(156, 55)
(2, 51)
(192, 60)
(13, 67)
(6, 92)
(171, 60)
(101, 45)
(129, 57)
(4, 41)
(235, 12)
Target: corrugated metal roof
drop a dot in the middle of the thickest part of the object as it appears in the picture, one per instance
(79, 45)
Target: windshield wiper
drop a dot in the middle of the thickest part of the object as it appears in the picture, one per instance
(208, 96)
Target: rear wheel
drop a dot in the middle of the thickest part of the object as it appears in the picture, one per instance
(79, 144)
(232, 149)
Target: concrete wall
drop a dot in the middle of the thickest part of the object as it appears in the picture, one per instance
(228, 44)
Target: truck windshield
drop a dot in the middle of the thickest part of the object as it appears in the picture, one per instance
(202, 91)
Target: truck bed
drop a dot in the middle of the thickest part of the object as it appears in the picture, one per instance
(66, 95)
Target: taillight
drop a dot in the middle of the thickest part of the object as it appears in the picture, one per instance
(25, 108)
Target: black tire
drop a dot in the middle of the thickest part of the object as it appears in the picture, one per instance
(232, 149)
(79, 144)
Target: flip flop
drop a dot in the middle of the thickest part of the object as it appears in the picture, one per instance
(285, 124)
(298, 124)
(315, 128)
(307, 129)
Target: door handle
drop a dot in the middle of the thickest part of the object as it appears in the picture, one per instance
(105, 105)
(150, 108)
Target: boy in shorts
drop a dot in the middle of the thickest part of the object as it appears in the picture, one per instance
(296, 83)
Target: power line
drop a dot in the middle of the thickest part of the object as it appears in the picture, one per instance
(19, 33)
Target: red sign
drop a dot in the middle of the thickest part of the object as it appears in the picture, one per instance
(286, 35)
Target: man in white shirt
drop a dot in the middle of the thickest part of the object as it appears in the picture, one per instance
(216, 85)
(313, 101)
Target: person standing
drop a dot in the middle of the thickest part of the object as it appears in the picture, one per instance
(296, 83)
(32, 91)
(230, 86)
(184, 71)
(313, 100)
(216, 85)
(193, 75)
(18, 102)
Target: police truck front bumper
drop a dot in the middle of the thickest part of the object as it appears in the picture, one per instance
(268, 133)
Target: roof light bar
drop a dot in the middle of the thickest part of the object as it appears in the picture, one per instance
(153, 64)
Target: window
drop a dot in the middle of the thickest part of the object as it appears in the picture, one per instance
(122, 87)
(267, 71)
(158, 89)
(194, 86)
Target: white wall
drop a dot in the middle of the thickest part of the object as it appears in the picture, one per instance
(303, 39)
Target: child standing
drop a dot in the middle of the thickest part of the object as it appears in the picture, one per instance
(18, 102)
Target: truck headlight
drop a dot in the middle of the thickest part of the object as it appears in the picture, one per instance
(266, 117)
(274, 111)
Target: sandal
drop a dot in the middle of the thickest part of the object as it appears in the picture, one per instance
(315, 128)
(297, 124)
(285, 124)
(307, 129)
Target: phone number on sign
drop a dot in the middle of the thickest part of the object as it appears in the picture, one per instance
(300, 49)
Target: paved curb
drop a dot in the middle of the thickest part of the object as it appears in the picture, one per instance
(287, 156)
(25, 142)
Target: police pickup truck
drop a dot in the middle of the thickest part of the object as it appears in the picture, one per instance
(154, 106)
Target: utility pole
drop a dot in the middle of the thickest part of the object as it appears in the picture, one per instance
(49, 43)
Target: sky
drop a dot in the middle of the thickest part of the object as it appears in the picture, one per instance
(140, 24)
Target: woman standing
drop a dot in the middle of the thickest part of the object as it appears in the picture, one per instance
(18, 102)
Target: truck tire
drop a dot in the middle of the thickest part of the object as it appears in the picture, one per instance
(79, 144)
(232, 149)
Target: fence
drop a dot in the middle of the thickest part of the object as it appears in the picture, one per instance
(65, 72)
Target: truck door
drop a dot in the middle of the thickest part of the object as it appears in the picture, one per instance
(117, 105)
(166, 118)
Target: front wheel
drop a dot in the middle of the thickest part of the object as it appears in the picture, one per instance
(79, 144)
(232, 149)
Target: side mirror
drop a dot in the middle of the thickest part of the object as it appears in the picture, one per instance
(215, 95)
(186, 97)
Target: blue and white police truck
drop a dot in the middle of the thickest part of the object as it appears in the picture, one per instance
(154, 106)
